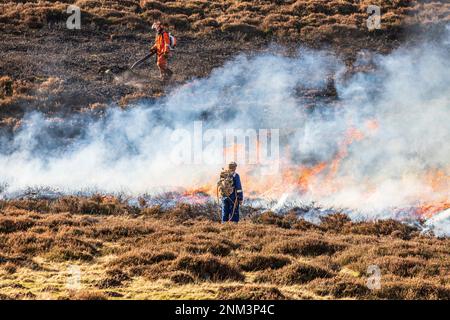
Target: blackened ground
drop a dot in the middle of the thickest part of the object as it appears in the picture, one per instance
(78, 62)
(58, 71)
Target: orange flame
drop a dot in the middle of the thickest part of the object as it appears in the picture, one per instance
(323, 179)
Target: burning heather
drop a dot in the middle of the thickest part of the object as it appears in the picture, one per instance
(303, 128)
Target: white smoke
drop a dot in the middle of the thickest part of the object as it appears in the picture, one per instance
(407, 96)
(439, 223)
(130, 150)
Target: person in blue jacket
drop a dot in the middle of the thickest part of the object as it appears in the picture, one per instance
(230, 205)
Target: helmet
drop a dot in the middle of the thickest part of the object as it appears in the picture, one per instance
(156, 25)
(232, 165)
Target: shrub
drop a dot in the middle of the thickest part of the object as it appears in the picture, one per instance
(250, 293)
(179, 21)
(261, 262)
(185, 212)
(334, 222)
(124, 230)
(5, 297)
(8, 225)
(142, 258)
(383, 227)
(155, 211)
(217, 249)
(92, 206)
(114, 278)
(181, 277)
(208, 267)
(9, 267)
(269, 217)
(299, 273)
(342, 288)
(204, 23)
(96, 205)
(65, 254)
(243, 28)
(413, 290)
(150, 4)
(403, 267)
(37, 205)
(6, 87)
(305, 247)
(87, 295)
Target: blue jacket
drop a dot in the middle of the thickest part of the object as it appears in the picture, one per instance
(237, 188)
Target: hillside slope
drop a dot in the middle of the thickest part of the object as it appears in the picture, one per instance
(101, 248)
(45, 67)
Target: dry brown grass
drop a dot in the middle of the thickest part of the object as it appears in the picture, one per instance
(208, 267)
(305, 246)
(251, 292)
(259, 262)
(87, 295)
(297, 273)
(409, 289)
(122, 250)
(285, 19)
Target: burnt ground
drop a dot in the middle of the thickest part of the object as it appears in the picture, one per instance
(80, 60)
(62, 71)
(46, 67)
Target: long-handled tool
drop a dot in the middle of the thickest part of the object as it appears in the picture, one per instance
(142, 60)
(123, 69)
(234, 205)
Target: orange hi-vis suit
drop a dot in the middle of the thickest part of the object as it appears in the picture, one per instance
(162, 49)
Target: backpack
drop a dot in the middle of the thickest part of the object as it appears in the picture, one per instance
(225, 185)
(173, 42)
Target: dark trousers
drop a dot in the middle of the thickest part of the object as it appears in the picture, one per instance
(227, 210)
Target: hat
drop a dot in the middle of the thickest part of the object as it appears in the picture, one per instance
(156, 24)
(232, 165)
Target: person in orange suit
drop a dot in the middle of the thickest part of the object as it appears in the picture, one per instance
(162, 50)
